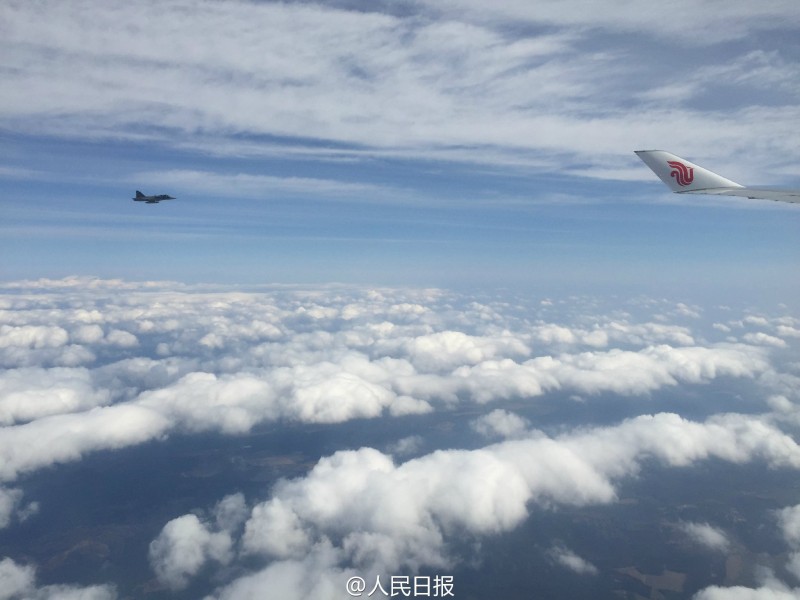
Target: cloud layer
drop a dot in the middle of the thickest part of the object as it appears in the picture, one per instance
(162, 362)
(376, 516)
(157, 360)
(510, 84)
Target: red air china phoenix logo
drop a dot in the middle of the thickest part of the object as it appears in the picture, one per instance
(683, 175)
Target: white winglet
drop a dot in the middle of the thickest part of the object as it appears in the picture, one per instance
(680, 174)
(684, 177)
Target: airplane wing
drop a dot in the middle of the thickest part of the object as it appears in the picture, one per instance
(684, 177)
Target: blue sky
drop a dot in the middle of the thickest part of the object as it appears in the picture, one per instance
(413, 143)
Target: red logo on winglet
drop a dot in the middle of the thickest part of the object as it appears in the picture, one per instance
(683, 175)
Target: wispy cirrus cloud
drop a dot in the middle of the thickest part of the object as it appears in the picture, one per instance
(663, 21)
(259, 186)
(513, 84)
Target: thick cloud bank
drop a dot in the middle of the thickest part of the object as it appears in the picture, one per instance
(384, 517)
(152, 362)
(94, 365)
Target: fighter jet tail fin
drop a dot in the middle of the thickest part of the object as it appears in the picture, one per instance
(139, 194)
(680, 175)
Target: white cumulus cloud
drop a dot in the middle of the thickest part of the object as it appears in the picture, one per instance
(569, 560)
(183, 547)
(706, 535)
(391, 516)
(500, 423)
(18, 582)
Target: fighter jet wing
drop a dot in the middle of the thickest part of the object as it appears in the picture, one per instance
(140, 197)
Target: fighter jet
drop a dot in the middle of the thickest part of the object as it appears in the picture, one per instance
(684, 177)
(140, 197)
